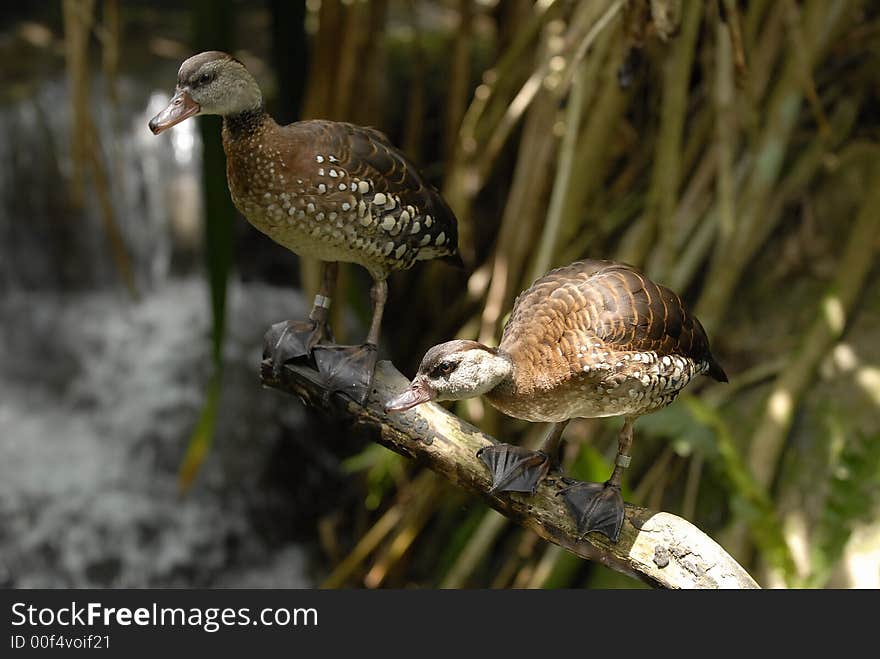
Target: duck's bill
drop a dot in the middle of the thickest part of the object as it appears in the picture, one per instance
(179, 108)
(415, 395)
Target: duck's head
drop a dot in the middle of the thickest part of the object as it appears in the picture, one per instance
(209, 83)
(452, 371)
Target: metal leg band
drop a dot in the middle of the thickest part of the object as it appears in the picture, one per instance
(624, 460)
(322, 301)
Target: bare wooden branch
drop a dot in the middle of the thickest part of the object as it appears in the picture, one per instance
(658, 548)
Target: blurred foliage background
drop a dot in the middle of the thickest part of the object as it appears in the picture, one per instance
(728, 148)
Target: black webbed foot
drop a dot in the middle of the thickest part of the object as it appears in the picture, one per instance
(514, 469)
(595, 507)
(292, 339)
(348, 369)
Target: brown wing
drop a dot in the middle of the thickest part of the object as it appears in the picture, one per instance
(396, 193)
(569, 308)
(372, 152)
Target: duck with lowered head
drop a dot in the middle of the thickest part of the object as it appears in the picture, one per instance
(331, 190)
(591, 339)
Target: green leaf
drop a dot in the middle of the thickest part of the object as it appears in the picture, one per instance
(203, 436)
(382, 468)
(853, 494)
(591, 466)
(677, 423)
(213, 29)
(749, 501)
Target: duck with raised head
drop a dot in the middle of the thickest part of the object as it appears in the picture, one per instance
(331, 190)
(590, 339)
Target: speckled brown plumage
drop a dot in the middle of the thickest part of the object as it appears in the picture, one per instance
(336, 191)
(326, 189)
(591, 339)
(598, 338)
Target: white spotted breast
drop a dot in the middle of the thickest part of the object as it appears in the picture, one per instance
(338, 192)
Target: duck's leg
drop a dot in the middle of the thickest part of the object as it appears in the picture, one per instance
(599, 506)
(517, 469)
(349, 369)
(291, 339)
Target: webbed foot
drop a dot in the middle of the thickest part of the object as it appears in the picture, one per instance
(348, 369)
(514, 469)
(595, 507)
(292, 339)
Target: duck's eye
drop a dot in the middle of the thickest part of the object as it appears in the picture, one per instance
(204, 79)
(445, 368)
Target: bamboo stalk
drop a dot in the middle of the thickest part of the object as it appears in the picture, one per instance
(592, 153)
(416, 515)
(321, 81)
(518, 561)
(477, 547)
(102, 187)
(415, 106)
(734, 26)
(804, 69)
(459, 77)
(692, 485)
(725, 138)
(78, 20)
(523, 212)
(666, 174)
(562, 183)
(768, 440)
(463, 178)
(85, 143)
(551, 557)
(780, 118)
(368, 104)
(110, 49)
(375, 535)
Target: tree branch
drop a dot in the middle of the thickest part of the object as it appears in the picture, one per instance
(658, 548)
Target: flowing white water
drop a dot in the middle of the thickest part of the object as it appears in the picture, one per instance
(97, 398)
(99, 393)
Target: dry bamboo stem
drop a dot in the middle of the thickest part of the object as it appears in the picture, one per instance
(459, 77)
(415, 517)
(547, 244)
(658, 548)
(592, 153)
(478, 545)
(110, 35)
(508, 573)
(781, 114)
(78, 20)
(769, 439)
(85, 147)
(491, 98)
(325, 60)
(114, 235)
(415, 105)
(545, 566)
(373, 537)
(523, 211)
(725, 137)
(666, 175)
